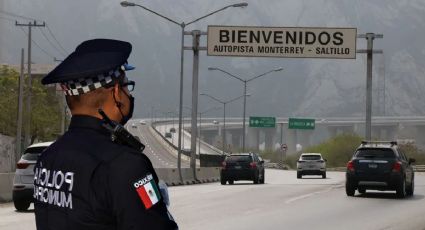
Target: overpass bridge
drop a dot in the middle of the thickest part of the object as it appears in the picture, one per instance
(383, 128)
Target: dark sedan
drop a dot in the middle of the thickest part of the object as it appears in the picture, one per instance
(242, 166)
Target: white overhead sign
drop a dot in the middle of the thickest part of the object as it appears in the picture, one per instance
(285, 42)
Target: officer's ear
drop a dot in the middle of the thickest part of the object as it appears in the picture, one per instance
(116, 92)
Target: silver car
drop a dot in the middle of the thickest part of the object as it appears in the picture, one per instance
(23, 183)
(311, 164)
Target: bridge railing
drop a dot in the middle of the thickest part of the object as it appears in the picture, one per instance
(203, 143)
(419, 168)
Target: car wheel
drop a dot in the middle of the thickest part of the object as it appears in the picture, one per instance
(324, 175)
(401, 189)
(263, 178)
(299, 175)
(223, 181)
(411, 188)
(361, 190)
(231, 181)
(21, 205)
(256, 178)
(349, 189)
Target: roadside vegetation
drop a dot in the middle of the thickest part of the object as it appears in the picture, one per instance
(45, 107)
(412, 151)
(337, 151)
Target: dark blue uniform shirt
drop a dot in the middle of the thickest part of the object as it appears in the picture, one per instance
(86, 181)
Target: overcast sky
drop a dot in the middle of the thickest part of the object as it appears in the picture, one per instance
(306, 87)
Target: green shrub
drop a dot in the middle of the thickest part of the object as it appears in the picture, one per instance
(45, 107)
(337, 151)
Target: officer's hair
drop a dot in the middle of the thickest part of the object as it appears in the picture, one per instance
(92, 99)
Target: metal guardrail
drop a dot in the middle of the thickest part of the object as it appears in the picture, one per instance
(271, 165)
(419, 168)
(416, 168)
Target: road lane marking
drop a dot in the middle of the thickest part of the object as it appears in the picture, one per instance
(305, 196)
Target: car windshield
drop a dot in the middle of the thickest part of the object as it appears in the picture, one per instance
(311, 157)
(239, 158)
(31, 154)
(375, 153)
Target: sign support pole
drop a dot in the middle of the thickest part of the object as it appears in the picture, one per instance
(196, 34)
(369, 37)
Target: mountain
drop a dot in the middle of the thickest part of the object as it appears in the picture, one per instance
(306, 87)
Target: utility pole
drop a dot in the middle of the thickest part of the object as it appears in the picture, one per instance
(63, 105)
(369, 51)
(28, 109)
(20, 107)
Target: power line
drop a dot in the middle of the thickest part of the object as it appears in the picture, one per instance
(38, 46)
(17, 16)
(63, 51)
(56, 48)
(7, 19)
(54, 37)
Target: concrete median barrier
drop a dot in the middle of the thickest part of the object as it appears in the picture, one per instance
(204, 175)
(6, 185)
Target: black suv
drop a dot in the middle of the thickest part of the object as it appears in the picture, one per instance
(242, 166)
(380, 166)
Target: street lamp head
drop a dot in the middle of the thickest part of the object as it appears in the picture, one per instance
(278, 69)
(212, 68)
(248, 95)
(242, 4)
(125, 4)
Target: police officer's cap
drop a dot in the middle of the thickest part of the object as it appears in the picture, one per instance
(93, 64)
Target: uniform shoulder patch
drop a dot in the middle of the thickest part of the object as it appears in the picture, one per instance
(147, 190)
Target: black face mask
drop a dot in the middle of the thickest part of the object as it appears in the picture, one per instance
(127, 117)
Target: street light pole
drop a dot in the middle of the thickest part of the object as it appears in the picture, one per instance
(200, 128)
(224, 113)
(244, 103)
(179, 144)
(182, 26)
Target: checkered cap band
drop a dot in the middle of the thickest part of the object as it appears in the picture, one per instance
(85, 85)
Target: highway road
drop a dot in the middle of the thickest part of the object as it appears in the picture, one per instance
(158, 153)
(284, 202)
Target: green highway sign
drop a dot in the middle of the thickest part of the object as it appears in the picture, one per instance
(262, 122)
(299, 123)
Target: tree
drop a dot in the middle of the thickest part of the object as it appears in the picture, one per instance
(45, 107)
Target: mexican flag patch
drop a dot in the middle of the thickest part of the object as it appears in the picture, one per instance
(148, 191)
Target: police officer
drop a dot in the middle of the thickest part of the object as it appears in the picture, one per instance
(85, 180)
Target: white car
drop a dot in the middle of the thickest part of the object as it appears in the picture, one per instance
(311, 164)
(133, 125)
(142, 122)
(23, 183)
